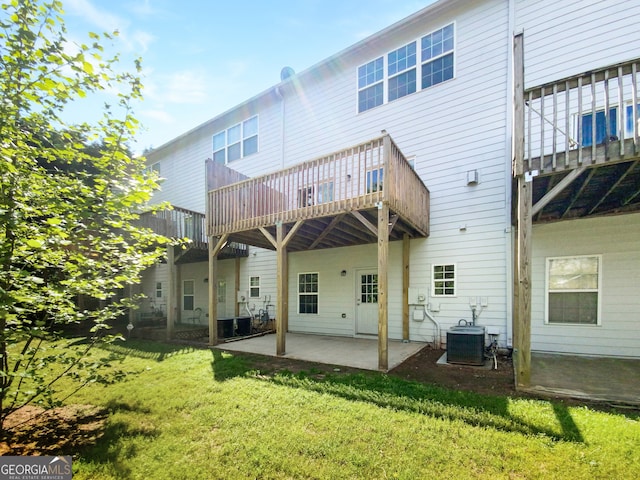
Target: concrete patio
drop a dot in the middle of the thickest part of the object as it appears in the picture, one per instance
(604, 379)
(611, 380)
(346, 351)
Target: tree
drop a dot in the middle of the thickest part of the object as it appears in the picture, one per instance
(69, 197)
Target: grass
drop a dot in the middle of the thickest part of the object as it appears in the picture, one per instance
(186, 413)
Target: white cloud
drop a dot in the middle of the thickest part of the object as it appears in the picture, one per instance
(104, 21)
(187, 86)
(99, 18)
(161, 116)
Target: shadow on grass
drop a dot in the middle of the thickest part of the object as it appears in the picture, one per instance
(117, 441)
(405, 395)
(226, 366)
(146, 349)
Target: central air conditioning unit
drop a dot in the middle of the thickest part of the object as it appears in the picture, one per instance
(465, 345)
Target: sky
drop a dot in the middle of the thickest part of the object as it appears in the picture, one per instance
(202, 57)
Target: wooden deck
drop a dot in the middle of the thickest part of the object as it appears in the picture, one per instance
(336, 197)
(180, 223)
(582, 144)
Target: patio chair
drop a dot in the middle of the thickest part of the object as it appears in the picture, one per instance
(195, 317)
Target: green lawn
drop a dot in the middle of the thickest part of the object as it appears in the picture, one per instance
(185, 413)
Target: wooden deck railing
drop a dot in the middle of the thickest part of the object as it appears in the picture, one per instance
(352, 179)
(177, 223)
(583, 120)
(182, 223)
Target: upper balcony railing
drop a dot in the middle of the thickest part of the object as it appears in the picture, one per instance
(177, 223)
(583, 120)
(356, 178)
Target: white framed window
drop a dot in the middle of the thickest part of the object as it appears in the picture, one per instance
(573, 286)
(371, 84)
(238, 141)
(586, 125)
(311, 195)
(325, 192)
(437, 56)
(153, 168)
(308, 293)
(222, 291)
(305, 197)
(443, 280)
(188, 294)
(254, 287)
(401, 71)
(629, 120)
(417, 65)
(158, 289)
(374, 180)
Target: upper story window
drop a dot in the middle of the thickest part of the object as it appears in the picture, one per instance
(237, 141)
(596, 129)
(370, 84)
(401, 68)
(154, 167)
(437, 56)
(396, 74)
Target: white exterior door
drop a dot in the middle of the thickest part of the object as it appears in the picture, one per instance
(367, 302)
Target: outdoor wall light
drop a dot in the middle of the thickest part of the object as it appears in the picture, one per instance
(343, 273)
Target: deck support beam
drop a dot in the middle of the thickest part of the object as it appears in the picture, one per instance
(172, 291)
(281, 280)
(406, 270)
(215, 245)
(564, 183)
(523, 242)
(236, 309)
(383, 287)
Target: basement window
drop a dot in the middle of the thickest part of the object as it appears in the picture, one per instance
(308, 293)
(254, 287)
(444, 280)
(188, 294)
(222, 291)
(573, 290)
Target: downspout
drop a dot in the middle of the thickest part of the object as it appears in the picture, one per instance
(508, 238)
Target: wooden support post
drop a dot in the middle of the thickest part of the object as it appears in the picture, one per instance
(383, 286)
(172, 292)
(213, 292)
(215, 245)
(405, 286)
(236, 310)
(522, 334)
(282, 280)
(524, 186)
